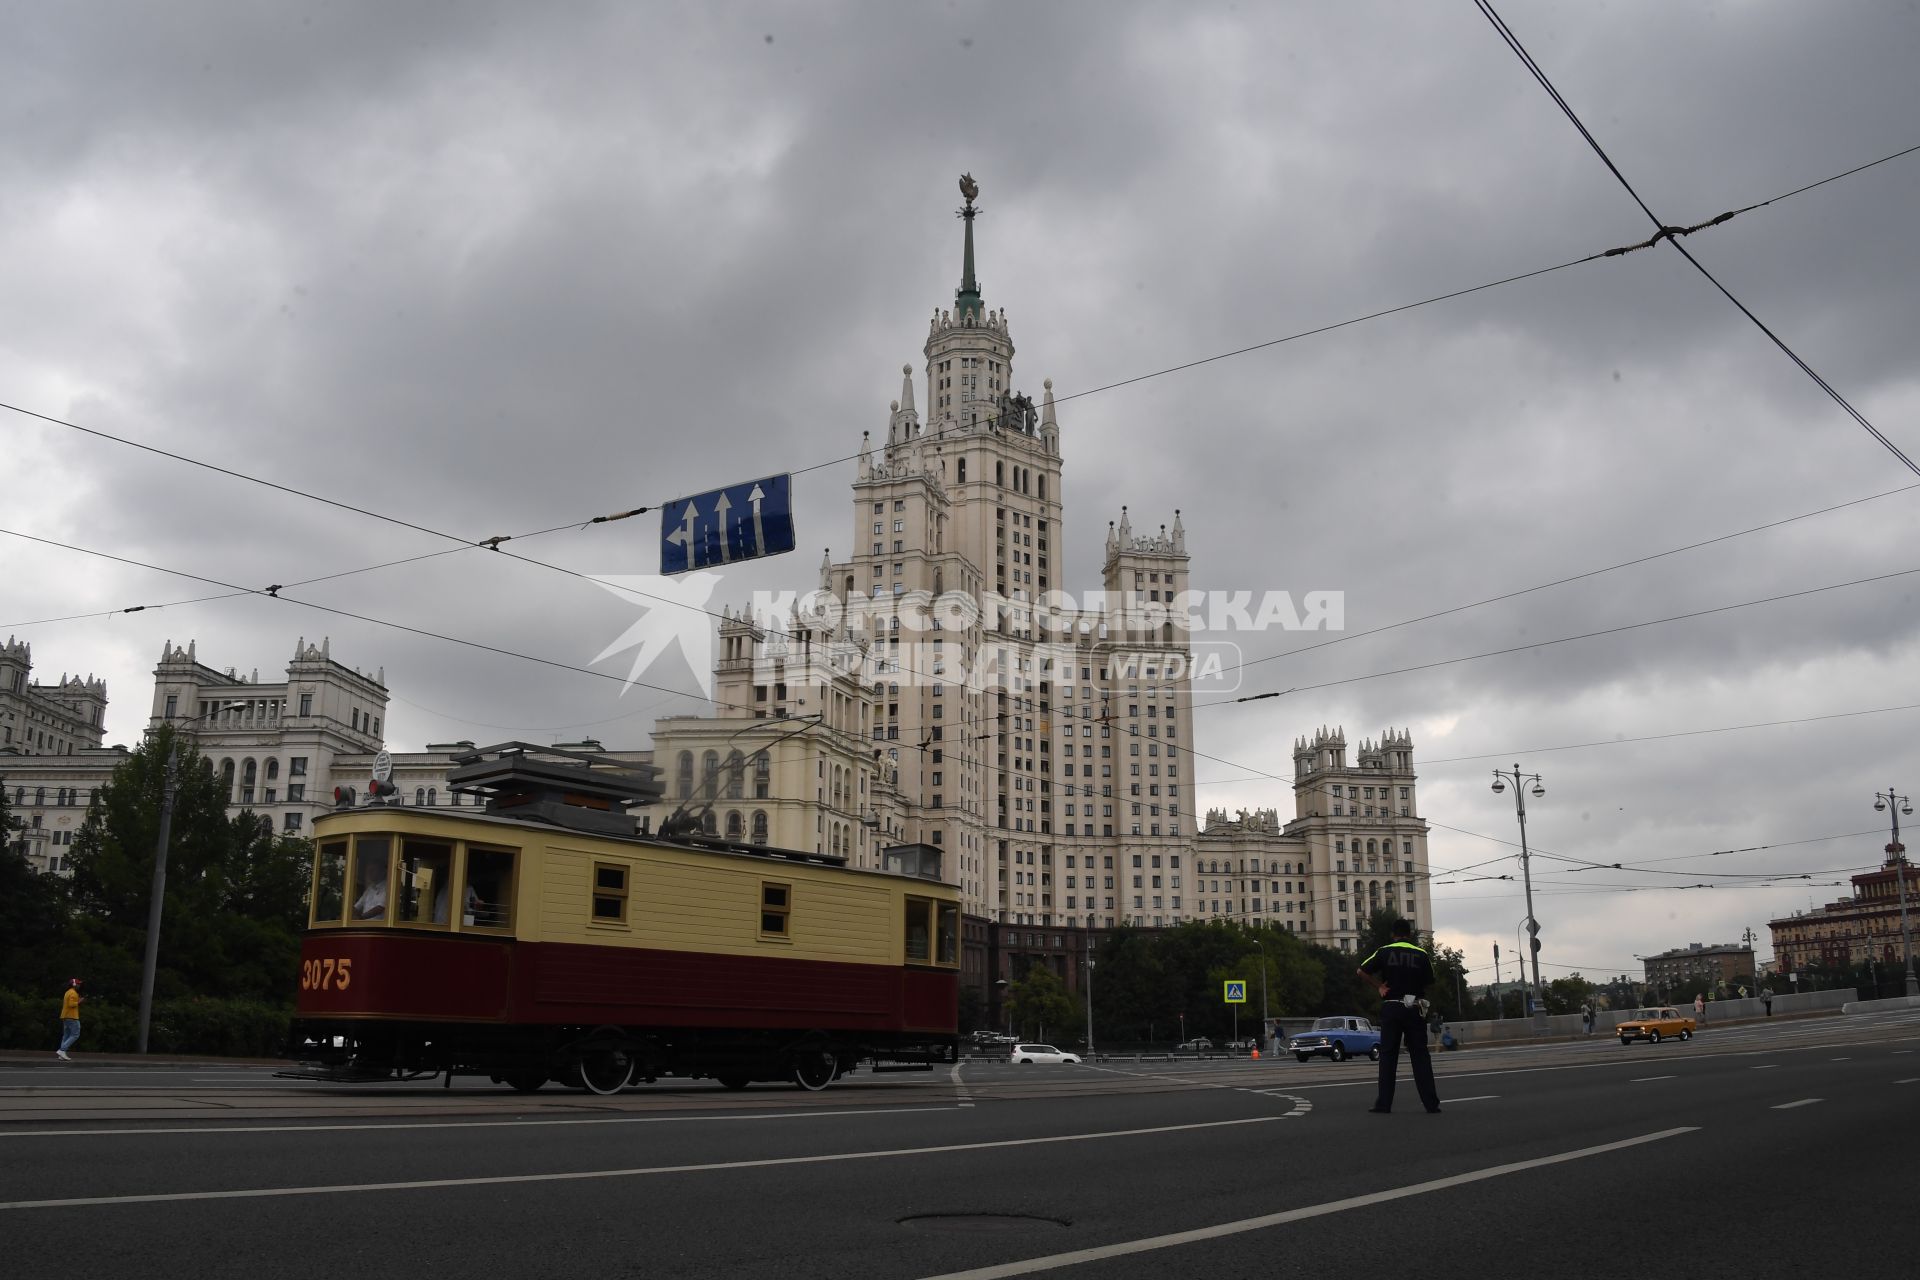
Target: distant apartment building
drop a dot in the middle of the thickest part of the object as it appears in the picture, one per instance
(1722, 964)
(1847, 932)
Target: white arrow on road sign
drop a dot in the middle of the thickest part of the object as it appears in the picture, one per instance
(759, 537)
(684, 534)
(720, 508)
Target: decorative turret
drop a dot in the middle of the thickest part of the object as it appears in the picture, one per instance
(1049, 427)
(1179, 533)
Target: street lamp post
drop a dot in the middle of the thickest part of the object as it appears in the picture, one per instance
(1005, 1003)
(1897, 855)
(150, 961)
(1520, 788)
(1086, 980)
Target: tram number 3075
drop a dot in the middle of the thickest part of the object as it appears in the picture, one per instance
(318, 975)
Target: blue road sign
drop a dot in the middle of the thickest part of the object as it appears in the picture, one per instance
(739, 522)
(1236, 992)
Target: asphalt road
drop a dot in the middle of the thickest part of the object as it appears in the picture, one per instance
(1587, 1159)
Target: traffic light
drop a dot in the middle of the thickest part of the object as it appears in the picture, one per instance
(1533, 935)
(343, 797)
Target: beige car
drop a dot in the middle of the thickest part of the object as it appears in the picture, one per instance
(1655, 1025)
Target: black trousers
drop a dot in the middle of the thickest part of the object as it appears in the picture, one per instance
(1397, 1024)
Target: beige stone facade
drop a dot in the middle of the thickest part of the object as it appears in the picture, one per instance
(47, 719)
(1355, 844)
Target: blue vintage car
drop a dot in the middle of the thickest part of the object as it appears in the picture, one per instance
(1338, 1038)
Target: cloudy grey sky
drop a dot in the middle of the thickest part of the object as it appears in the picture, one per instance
(495, 268)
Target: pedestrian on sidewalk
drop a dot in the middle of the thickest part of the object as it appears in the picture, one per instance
(69, 1020)
(1586, 1016)
(1700, 1010)
(1766, 1000)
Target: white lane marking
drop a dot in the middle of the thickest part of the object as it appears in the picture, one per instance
(584, 1175)
(1100, 1253)
(1765, 1066)
(1804, 1102)
(463, 1124)
(1839, 1059)
(1478, 1097)
(960, 1088)
(1909, 1080)
(1903, 1051)
(1646, 1079)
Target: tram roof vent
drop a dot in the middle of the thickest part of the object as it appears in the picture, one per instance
(922, 861)
(580, 790)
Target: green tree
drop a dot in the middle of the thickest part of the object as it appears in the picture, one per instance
(33, 915)
(1040, 1000)
(1568, 994)
(235, 893)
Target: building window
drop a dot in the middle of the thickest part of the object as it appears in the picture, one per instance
(776, 906)
(609, 893)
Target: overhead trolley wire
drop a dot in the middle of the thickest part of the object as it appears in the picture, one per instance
(492, 543)
(1560, 582)
(1672, 234)
(1585, 635)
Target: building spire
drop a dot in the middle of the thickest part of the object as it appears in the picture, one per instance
(966, 299)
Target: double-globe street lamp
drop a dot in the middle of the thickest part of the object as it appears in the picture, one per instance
(1897, 854)
(1520, 782)
(157, 899)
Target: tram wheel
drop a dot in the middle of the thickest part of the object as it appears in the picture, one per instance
(606, 1071)
(814, 1069)
(732, 1080)
(525, 1081)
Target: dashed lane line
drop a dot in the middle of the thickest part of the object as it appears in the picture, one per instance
(1101, 1253)
(1803, 1102)
(1909, 1080)
(1647, 1079)
(1478, 1097)
(1764, 1066)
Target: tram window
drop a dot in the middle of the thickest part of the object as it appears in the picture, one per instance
(489, 895)
(919, 929)
(426, 882)
(609, 893)
(330, 882)
(370, 865)
(948, 935)
(776, 904)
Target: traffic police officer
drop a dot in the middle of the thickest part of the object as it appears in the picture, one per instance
(1402, 971)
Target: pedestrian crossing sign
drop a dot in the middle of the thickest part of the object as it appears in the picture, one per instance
(1236, 991)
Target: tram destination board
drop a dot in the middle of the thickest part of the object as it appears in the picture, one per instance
(724, 526)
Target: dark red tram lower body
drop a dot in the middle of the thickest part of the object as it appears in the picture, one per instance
(376, 1003)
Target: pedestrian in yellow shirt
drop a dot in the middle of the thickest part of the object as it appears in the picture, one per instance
(69, 1020)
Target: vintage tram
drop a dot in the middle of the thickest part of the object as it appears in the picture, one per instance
(544, 935)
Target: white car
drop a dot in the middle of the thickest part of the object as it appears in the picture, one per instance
(1030, 1053)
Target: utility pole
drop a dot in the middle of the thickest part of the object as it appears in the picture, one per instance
(1498, 1012)
(151, 961)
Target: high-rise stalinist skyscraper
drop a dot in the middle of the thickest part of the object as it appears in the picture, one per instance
(1033, 735)
(953, 692)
